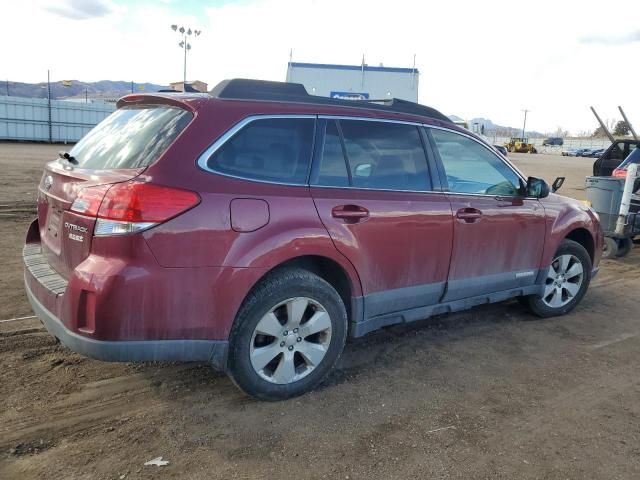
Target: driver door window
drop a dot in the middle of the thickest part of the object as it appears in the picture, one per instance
(471, 168)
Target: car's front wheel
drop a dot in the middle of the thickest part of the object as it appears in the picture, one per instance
(566, 283)
(288, 335)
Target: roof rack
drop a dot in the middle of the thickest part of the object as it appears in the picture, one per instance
(246, 89)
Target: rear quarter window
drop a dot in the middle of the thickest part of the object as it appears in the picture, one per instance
(131, 137)
(272, 149)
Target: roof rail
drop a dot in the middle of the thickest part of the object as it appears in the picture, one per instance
(246, 89)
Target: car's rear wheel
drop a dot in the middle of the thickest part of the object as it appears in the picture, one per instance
(288, 335)
(567, 281)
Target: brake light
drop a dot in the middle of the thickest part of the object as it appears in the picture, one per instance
(619, 173)
(145, 202)
(132, 206)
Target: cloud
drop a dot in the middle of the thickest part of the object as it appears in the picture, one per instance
(81, 9)
(630, 37)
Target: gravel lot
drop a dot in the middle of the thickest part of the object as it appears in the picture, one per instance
(489, 393)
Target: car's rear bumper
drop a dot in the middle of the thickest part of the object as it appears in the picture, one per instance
(212, 351)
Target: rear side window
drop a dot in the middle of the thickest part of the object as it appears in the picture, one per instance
(272, 149)
(380, 155)
(131, 137)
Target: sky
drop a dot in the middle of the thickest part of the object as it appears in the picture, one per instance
(480, 58)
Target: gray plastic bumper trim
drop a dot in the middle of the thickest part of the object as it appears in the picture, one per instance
(212, 351)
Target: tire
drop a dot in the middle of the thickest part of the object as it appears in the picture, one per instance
(624, 247)
(265, 327)
(563, 288)
(610, 248)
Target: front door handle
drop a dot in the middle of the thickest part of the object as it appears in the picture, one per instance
(469, 215)
(350, 213)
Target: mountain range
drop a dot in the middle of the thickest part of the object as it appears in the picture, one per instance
(491, 128)
(114, 89)
(60, 90)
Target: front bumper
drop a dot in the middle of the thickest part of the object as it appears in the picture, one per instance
(211, 351)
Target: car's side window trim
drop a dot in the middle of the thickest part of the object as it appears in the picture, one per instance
(443, 173)
(204, 157)
(345, 155)
(432, 163)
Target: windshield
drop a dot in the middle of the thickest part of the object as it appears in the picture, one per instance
(131, 137)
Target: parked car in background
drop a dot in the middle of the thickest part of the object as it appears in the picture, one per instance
(551, 141)
(581, 152)
(596, 153)
(613, 156)
(570, 152)
(257, 227)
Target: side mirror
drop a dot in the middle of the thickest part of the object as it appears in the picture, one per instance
(363, 170)
(537, 187)
(557, 184)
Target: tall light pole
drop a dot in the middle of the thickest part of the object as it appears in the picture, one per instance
(525, 121)
(186, 34)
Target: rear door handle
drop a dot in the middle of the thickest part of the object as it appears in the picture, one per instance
(469, 215)
(350, 213)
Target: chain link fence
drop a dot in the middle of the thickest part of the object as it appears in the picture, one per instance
(38, 120)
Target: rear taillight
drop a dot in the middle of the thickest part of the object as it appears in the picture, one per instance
(619, 173)
(131, 207)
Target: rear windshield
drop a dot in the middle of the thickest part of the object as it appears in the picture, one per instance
(131, 137)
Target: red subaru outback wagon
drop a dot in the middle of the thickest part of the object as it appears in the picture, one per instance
(257, 227)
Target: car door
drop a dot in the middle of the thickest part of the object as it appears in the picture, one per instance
(373, 191)
(498, 234)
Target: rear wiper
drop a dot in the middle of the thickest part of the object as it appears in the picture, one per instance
(69, 158)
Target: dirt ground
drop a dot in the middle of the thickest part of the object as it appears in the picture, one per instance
(492, 393)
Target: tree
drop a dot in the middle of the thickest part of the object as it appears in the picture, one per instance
(560, 132)
(599, 132)
(621, 129)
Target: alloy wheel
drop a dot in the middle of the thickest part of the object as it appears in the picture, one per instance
(564, 279)
(290, 340)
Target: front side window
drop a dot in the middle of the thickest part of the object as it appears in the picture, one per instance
(472, 168)
(383, 155)
(270, 149)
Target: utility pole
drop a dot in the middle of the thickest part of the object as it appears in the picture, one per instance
(524, 126)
